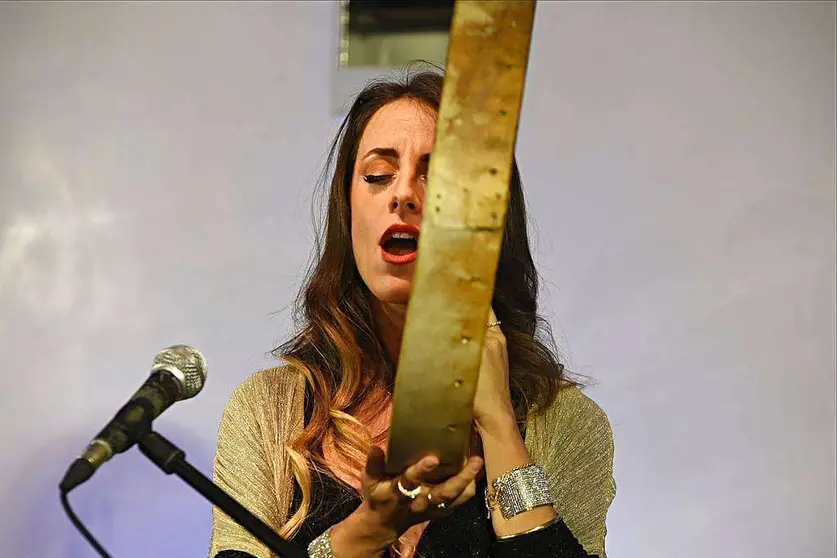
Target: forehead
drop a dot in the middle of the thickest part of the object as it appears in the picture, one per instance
(403, 124)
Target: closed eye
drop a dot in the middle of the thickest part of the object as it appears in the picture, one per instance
(377, 178)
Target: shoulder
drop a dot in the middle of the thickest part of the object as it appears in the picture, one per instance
(269, 384)
(272, 397)
(574, 409)
(573, 432)
(574, 414)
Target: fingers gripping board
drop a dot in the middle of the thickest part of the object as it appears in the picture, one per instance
(462, 229)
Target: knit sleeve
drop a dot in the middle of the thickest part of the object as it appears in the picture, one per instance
(251, 464)
(573, 441)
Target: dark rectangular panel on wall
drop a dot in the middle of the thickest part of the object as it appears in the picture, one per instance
(368, 17)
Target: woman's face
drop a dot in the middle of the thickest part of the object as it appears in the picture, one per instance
(387, 196)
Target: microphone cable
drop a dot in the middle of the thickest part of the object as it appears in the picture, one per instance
(65, 503)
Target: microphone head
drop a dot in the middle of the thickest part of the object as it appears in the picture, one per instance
(186, 364)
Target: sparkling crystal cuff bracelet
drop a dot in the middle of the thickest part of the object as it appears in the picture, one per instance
(518, 490)
(321, 546)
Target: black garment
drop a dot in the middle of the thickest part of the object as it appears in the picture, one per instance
(467, 532)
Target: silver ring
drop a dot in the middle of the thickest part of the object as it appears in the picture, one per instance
(440, 505)
(411, 494)
(494, 324)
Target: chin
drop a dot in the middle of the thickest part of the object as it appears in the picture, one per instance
(393, 290)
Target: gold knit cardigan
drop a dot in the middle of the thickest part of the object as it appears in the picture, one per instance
(572, 440)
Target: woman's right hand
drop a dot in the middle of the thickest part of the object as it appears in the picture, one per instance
(386, 513)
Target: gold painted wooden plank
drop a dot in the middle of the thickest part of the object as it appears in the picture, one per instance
(461, 233)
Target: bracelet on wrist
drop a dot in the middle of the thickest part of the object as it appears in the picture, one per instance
(518, 491)
(321, 546)
(535, 529)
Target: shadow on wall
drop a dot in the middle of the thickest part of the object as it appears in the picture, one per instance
(132, 508)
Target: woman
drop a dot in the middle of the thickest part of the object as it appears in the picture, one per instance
(300, 446)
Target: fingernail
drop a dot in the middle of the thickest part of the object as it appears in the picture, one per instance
(477, 464)
(430, 462)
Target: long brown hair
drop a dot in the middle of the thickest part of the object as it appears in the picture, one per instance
(337, 348)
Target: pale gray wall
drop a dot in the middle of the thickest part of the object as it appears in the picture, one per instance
(155, 167)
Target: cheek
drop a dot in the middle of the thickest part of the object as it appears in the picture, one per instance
(361, 227)
(359, 236)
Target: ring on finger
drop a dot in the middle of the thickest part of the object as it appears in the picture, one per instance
(440, 505)
(411, 494)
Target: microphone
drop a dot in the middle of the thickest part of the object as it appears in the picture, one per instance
(177, 373)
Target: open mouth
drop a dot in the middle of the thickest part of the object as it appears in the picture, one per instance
(399, 244)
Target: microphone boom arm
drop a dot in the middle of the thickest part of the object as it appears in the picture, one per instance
(172, 460)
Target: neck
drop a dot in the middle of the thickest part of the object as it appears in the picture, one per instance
(389, 319)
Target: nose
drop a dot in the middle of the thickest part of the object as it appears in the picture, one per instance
(404, 204)
(406, 197)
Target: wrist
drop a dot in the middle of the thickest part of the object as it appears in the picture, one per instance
(500, 424)
(360, 535)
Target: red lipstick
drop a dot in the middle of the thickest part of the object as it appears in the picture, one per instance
(399, 244)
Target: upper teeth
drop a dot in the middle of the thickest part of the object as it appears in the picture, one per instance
(402, 235)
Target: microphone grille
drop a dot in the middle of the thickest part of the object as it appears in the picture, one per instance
(190, 364)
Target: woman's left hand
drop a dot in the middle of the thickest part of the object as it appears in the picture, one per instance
(492, 403)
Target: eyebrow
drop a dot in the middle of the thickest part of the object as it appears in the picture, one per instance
(390, 153)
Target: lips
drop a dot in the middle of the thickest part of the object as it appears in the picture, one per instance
(399, 244)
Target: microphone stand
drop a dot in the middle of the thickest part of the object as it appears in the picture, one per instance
(172, 460)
